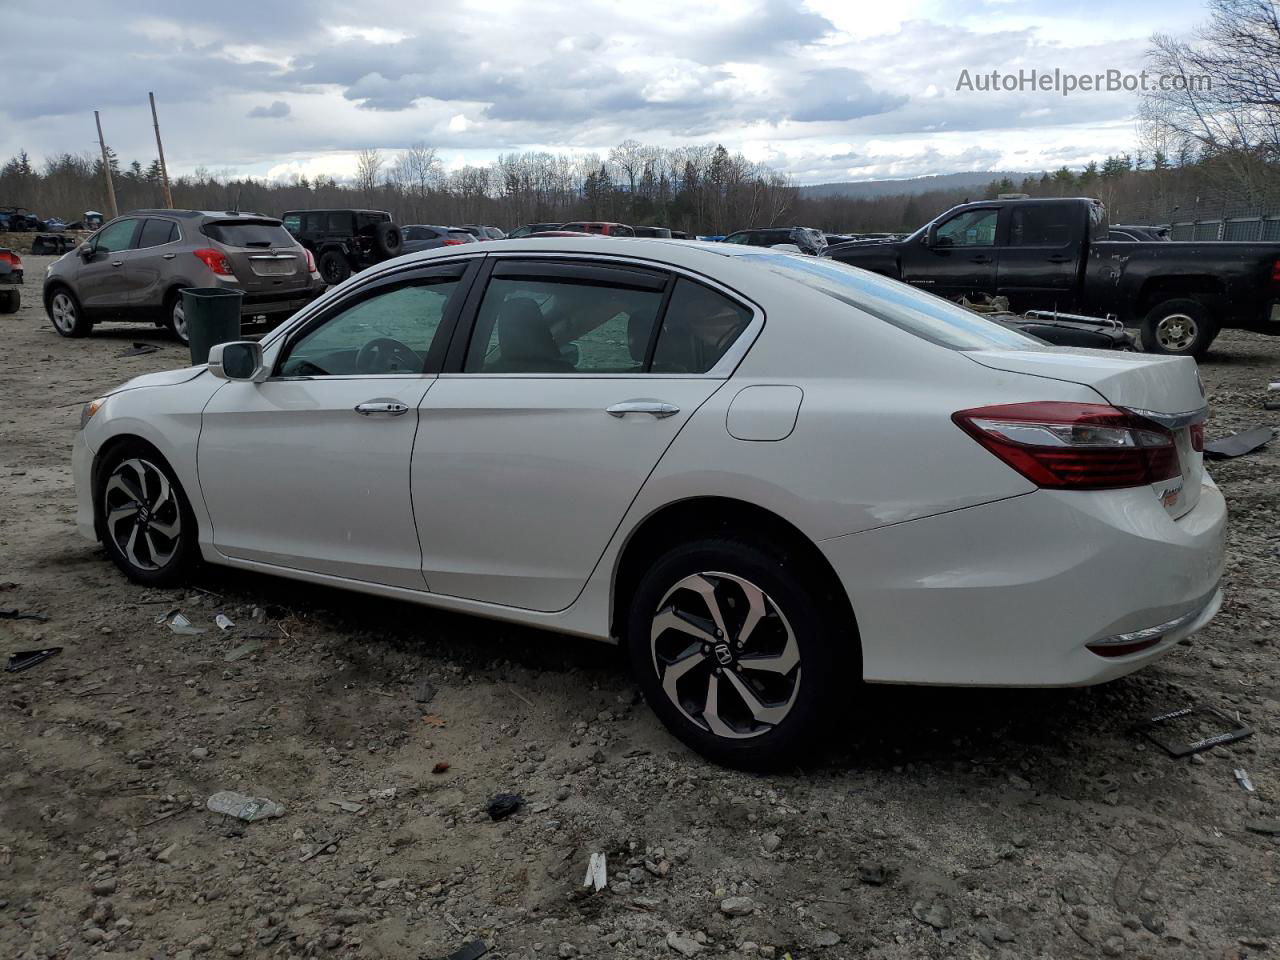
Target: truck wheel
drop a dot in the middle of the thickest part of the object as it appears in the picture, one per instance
(10, 301)
(333, 267)
(1180, 327)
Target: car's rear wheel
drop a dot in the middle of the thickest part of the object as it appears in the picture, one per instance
(144, 519)
(175, 317)
(10, 300)
(1178, 327)
(333, 267)
(67, 315)
(735, 649)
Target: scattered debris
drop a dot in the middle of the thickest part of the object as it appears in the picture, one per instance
(504, 805)
(180, 624)
(424, 692)
(1268, 828)
(519, 696)
(8, 585)
(319, 848)
(26, 659)
(471, 951)
(1272, 401)
(347, 805)
(1238, 444)
(597, 872)
(440, 767)
(873, 874)
(223, 621)
(165, 616)
(1242, 778)
(244, 807)
(434, 720)
(242, 651)
(13, 613)
(139, 349)
(637, 752)
(1237, 731)
(737, 906)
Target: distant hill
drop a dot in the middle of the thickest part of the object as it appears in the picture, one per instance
(907, 187)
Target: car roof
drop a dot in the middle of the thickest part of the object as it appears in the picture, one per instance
(196, 214)
(337, 210)
(687, 252)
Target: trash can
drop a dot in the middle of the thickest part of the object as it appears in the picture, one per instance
(212, 315)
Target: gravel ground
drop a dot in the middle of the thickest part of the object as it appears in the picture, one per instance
(1006, 824)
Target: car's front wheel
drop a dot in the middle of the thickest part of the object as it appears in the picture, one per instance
(67, 315)
(737, 650)
(144, 519)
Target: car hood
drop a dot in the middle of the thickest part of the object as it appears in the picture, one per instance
(162, 378)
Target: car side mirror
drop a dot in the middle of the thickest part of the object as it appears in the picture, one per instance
(85, 250)
(240, 360)
(931, 239)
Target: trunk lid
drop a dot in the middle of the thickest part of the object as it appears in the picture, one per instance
(1164, 389)
(264, 256)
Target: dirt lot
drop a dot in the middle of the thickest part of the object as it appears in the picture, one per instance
(951, 824)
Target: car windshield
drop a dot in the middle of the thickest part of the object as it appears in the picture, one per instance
(250, 234)
(922, 314)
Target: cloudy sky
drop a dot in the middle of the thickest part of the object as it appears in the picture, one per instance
(824, 89)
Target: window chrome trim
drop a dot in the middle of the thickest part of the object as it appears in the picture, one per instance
(724, 367)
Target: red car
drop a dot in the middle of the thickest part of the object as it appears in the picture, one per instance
(600, 227)
(10, 276)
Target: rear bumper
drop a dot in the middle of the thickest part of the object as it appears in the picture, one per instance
(275, 303)
(1010, 593)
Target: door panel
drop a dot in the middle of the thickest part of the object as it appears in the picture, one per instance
(1040, 263)
(100, 280)
(292, 475)
(520, 482)
(962, 261)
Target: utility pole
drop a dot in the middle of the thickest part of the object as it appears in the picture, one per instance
(106, 169)
(164, 172)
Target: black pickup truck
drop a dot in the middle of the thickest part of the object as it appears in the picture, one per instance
(1054, 254)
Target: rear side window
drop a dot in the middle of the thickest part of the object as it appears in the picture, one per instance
(249, 234)
(419, 233)
(293, 223)
(543, 325)
(922, 314)
(338, 223)
(1098, 222)
(156, 232)
(699, 327)
(1042, 225)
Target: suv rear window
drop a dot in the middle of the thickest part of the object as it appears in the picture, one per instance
(249, 234)
(922, 314)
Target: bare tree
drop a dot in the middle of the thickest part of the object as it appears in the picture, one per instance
(368, 166)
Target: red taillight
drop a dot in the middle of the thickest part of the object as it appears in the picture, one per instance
(1074, 446)
(451, 242)
(1197, 437)
(1275, 272)
(311, 261)
(11, 258)
(215, 260)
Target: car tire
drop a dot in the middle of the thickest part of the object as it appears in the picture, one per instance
(67, 315)
(1179, 327)
(10, 301)
(389, 239)
(753, 692)
(144, 520)
(175, 317)
(333, 267)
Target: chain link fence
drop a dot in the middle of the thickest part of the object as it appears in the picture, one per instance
(1207, 218)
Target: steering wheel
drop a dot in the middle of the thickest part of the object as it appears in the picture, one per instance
(386, 355)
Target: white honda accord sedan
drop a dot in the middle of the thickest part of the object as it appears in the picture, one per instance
(762, 473)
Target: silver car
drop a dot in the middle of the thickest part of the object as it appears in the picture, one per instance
(136, 266)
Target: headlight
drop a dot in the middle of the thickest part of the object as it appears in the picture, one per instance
(89, 409)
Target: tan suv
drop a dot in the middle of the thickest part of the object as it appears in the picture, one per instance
(136, 266)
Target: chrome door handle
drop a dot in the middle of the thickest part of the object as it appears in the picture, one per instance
(392, 408)
(117, 263)
(656, 408)
(168, 256)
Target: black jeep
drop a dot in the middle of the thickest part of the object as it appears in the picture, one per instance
(345, 241)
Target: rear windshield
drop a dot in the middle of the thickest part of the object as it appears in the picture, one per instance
(922, 314)
(250, 234)
(418, 233)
